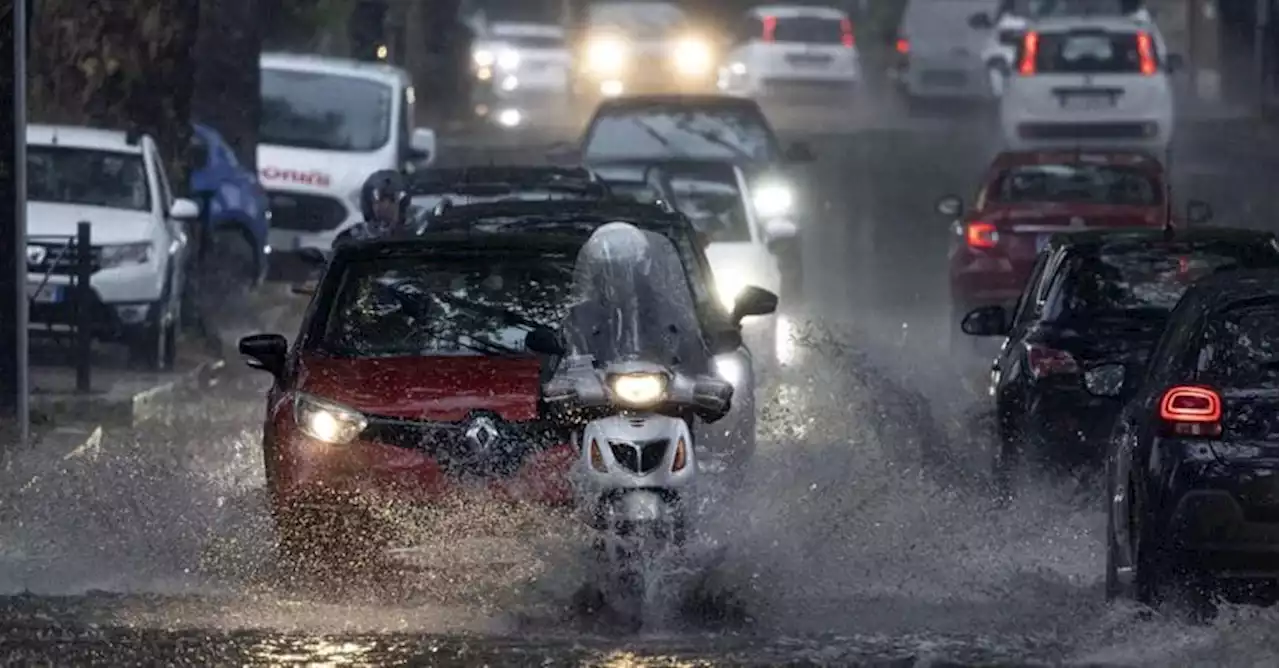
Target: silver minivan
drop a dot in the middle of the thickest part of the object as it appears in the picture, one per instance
(939, 54)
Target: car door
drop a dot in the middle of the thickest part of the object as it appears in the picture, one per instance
(1008, 363)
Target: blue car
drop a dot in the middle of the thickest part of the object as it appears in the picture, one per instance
(234, 209)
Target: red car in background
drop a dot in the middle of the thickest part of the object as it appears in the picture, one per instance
(409, 384)
(1027, 196)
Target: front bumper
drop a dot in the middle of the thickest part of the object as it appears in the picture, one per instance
(123, 300)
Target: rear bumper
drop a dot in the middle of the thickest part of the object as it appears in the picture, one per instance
(1222, 516)
(1143, 134)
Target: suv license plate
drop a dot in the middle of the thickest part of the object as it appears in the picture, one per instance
(44, 294)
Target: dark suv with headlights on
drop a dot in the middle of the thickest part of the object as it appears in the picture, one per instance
(1191, 466)
(1094, 298)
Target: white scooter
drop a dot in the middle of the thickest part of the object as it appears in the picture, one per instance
(635, 477)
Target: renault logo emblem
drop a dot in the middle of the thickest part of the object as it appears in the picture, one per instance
(481, 433)
(36, 254)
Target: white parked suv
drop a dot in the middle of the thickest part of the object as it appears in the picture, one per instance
(1090, 82)
(785, 50)
(117, 183)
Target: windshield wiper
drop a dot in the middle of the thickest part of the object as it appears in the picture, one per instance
(713, 137)
(653, 132)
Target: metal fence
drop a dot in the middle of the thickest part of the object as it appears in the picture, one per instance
(73, 257)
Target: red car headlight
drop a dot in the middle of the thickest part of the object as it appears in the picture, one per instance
(327, 421)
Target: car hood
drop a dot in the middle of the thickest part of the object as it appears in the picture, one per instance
(426, 388)
(108, 226)
(1058, 214)
(1105, 341)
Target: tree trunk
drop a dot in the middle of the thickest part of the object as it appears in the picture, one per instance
(226, 95)
(117, 64)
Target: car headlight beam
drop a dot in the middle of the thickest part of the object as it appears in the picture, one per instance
(728, 290)
(116, 255)
(693, 57)
(327, 421)
(773, 199)
(638, 390)
(607, 55)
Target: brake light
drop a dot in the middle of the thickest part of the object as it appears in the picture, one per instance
(1030, 47)
(770, 27)
(1146, 54)
(1192, 411)
(903, 46)
(846, 33)
(1044, 361)
(681, 458)
(981, 235)
(597, 458)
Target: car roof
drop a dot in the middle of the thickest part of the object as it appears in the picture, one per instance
(1091, 241)
(1106, 22)
(434, 242)
(795, 11)
(675, 99)
(1007, 159)
(582, 216)
(83, 137)
(300, 62)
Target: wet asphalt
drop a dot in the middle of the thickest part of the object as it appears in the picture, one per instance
(865, 536)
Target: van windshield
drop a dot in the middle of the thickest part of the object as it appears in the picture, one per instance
(329, 112)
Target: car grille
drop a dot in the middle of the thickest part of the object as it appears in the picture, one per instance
(447, 443)
(1085, 130)
(306, 213)
(639, 457)
(59, 258)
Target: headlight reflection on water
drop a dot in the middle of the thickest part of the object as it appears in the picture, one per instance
(314, 652)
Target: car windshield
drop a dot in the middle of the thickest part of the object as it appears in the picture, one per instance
(1240, 349)
(1091, 52)
(710, 197)
(644, 20)
(1077, 183)
(727, 133)
(324, 111)
(67, 175)
(1133, 281)
(809, 30)
(473, 306)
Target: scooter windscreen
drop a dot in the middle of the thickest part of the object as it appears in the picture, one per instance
(632, 302)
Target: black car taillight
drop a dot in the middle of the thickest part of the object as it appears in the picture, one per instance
(1191, 411)
(1043, 361)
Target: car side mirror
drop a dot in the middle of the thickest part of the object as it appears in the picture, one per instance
(712, 398)
(423, 146)
(986, 321)
(563, 153)
(1199, 212)
(949, 205)
(184, 209)
(543, 340)
(265, 352)
(981, 21)
(1106, 380)
(754, 301)
(780, 229)
(799, 152)
(1174, 62)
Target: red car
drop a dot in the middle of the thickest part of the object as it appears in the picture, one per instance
(409, 382)
(1027, 196)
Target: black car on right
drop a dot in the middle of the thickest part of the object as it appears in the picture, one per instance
(1094, 298)
(1191, 468)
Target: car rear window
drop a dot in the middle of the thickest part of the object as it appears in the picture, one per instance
(1133, 281)
(1087, 52)
(1239, 349)
(1077, 183)
(422, 306)
(808, 30)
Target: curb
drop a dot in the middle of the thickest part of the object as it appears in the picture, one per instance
(126, 409)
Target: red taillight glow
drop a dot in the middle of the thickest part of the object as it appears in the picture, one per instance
(1048, 362)
(770, 27)
(1146, 54)
(981, 235)
(846, 33)
(903, 46)
(1192, 411)
(1030, 46)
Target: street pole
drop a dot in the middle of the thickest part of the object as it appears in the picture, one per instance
(13, 255)
(1262, 8)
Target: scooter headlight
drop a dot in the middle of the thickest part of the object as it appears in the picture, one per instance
(638, 390)
(327, 421)
(773, 199)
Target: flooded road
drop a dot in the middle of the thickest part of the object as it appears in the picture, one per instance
(865, 534)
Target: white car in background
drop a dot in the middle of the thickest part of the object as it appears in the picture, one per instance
(326, 125)
(1093, 82)
(789, 50)
(116, 182)
(522, 70)
(1012, 18)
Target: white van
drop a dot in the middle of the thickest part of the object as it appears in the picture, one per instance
(326, 125)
